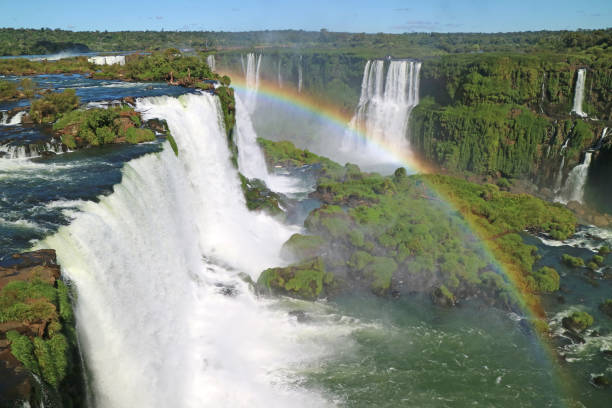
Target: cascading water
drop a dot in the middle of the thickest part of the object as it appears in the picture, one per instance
(280, 77)
(579, 93)
(251, 73)
(385, 104)
(559, 179)
(251, 161)
(14, 120)
(573, 190)
(163, 313)
(29, 151)
(300, 75)
(604, 133)
(210, 60)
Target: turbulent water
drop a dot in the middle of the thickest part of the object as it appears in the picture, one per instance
(251, 75)
(579, 93)
(573, 190)
(251, 161)
(155, 245)
(164, 316)
(385, 104)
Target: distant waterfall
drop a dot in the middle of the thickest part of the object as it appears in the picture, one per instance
(579, 93)
(210, 60)
(251, 160)
(559, 179)
(6, 120)
(165, 318)
(300, 75)
(573, 190)
(29, 151)
(280, 77)
(604, 133)
(385, 103)
(251, 74)
(107, 60)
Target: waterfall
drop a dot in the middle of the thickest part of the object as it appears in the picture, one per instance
(29, 151)
(385, 103)
(251, 161)
(300, 75)
(559, 179)
(107, 60)
(210, 60)
(280, 78)
(579, 93)
(251, 73)
(13, 120)
(573, 190)
(601, 139)
(164, 316)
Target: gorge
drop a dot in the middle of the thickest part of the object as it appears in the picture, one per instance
(410, 267)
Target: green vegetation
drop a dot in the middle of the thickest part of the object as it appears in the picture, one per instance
(303, 246)
(259, 197)
(544, 280)
(10, 90)
(394, 234)
(578, 321)
(36, 302)
(53, 104)
(169, 65)
(45, 40)
(604, 250)
(306, 280)
(572, 261)
(285, 154)
(98, 126)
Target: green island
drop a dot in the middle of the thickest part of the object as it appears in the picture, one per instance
(394, 235)
(37, 318)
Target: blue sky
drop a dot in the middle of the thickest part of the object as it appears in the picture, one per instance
(394, 16)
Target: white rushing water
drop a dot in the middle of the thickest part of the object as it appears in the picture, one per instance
(107, 60)
(14, 120)
(30, 151)
(210, 60)
(251, 161)
(251, 74)
(579, 93)
(385, 104)
(300, 76)
(573, 190)
(164, 318)
(279, 76)
(604, 133)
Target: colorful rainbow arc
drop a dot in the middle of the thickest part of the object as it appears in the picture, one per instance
(528, 302)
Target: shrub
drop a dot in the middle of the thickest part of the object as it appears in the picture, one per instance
(51, 105)
(544, 280)
(137, 135)
(572, 261)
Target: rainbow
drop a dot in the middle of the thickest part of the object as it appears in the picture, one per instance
(528, 302)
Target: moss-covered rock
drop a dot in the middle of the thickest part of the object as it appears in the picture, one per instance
(379, 272)
(305, 280)
(303, 246)
(441, 296)
(259, 197)
(578, 321)
(572, 261)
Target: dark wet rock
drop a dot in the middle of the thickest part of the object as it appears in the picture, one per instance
(157, 125)
(606, 308)
(441, 296)
(573, 336)
(601, 381)
(300, 316)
